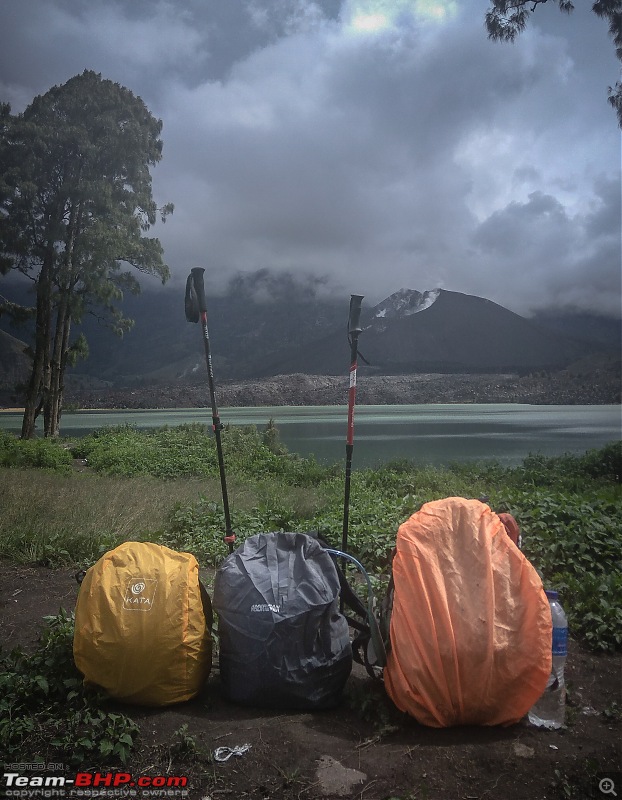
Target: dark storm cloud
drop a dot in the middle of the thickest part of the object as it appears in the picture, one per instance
(569, 258)
(298, 137)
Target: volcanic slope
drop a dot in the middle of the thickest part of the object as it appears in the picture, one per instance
(440, 331)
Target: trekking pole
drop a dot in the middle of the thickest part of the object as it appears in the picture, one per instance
(354, 330)
(196, 308)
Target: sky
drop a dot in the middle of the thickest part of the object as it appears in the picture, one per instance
(370, 144)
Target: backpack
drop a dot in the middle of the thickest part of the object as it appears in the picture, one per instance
(142, 625)
(283, 641)
(468, 621)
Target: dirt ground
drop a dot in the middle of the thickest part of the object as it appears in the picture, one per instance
(363, 749)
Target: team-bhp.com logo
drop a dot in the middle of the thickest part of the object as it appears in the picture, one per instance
(139, 594)
(18, 785)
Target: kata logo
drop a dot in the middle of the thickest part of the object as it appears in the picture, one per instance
(139, 594)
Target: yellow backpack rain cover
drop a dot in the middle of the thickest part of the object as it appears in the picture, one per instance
(471, 625)
(143, 624)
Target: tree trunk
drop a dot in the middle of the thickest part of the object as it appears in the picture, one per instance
(61, 385)
(52, 408)
(53, 405)
(40, 364)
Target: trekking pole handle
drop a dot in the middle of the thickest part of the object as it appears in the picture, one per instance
(199, 287)
(355, 313)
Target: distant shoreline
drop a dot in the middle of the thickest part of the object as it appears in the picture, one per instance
(224, 407)
(593, 387)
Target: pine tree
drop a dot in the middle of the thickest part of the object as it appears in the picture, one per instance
(75, 203)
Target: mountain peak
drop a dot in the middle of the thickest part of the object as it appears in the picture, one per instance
(404, 302)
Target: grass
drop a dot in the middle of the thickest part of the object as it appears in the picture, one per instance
(56, 519)
(163, 486)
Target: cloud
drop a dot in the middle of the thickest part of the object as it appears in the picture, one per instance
(575, 259)
(62, 40)
(381, 144)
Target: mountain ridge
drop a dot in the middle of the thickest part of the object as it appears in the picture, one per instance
(291, 332)
(454, 333)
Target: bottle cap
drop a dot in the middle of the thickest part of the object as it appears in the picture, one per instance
(551, 594)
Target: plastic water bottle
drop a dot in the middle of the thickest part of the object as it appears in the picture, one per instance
(550, 710)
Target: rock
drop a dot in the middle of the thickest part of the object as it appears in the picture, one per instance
(335, 779)
(522, 750)
(559, 388)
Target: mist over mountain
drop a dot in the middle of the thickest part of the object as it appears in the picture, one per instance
(606, 331)
(265, 326)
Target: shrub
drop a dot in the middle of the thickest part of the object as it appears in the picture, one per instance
(46, 713)
(575, 542)
(48, 454)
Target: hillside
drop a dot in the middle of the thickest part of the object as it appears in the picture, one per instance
(407, 333)
(14, 363)
(578, 385)
(281, 330)
(455, 333)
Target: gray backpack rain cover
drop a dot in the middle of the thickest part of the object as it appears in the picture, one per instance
(283, 641)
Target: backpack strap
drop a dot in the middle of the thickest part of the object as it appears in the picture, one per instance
(360, 623)
(368, 647)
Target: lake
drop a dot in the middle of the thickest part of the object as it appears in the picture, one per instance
(430, 434)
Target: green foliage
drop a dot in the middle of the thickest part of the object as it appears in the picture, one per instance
(46, 713)
(370, 702)
(373, 523)
(605, 463)
(572, 536)
(272, 439)
(575, 543)
(38, 453)
(199, 527)
(184, 747)
(191, 450)
(569, 508)
(572, 473)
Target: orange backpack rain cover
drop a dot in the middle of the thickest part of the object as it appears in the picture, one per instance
(143, 624)
(471, 625)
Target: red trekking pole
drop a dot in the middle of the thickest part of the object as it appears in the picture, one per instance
(354, 330)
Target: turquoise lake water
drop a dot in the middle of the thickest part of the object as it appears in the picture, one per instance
(432, 434)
